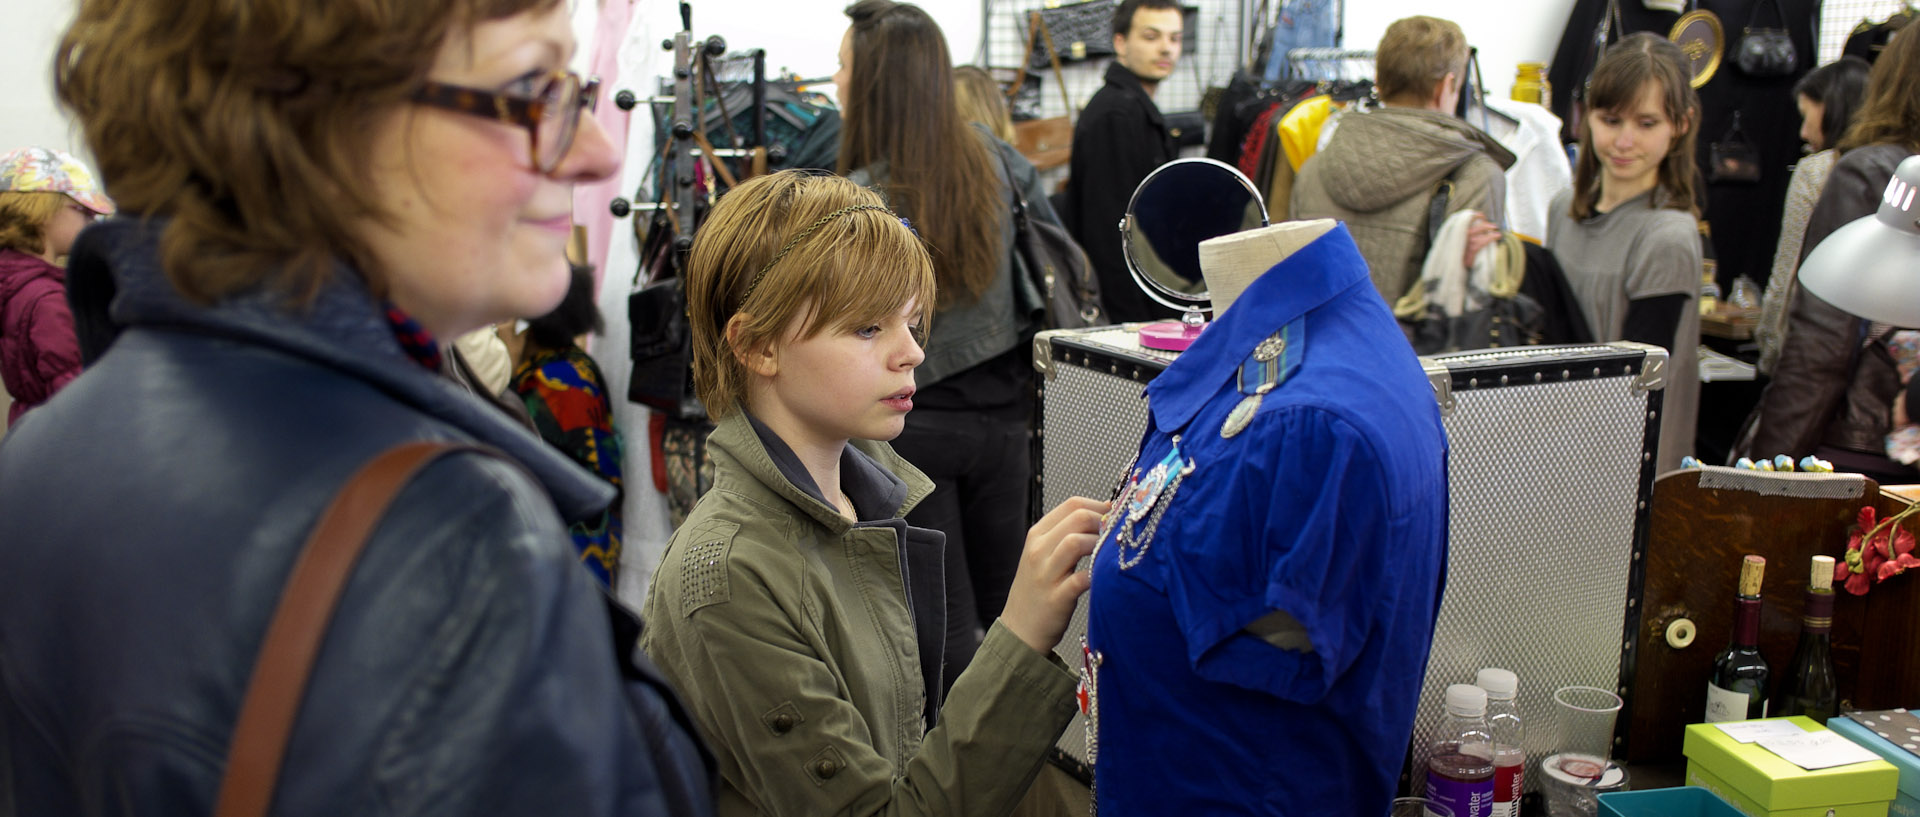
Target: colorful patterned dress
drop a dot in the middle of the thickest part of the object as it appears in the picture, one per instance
(567, 398)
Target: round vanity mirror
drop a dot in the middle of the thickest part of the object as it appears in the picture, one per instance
(1179, 205)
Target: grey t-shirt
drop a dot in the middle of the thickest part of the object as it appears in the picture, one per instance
(1637, 251)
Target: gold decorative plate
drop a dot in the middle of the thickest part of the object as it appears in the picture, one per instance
(1698, 33)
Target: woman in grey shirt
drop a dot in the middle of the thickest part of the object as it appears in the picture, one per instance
(1628, 233)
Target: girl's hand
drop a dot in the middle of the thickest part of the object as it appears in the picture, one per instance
(1046, 586)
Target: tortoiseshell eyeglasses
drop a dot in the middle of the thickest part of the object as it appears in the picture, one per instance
(551, 118)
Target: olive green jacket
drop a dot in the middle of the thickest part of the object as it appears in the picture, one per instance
(790, 633)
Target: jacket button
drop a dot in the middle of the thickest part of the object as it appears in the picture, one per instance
(782, 723)
(825, 769)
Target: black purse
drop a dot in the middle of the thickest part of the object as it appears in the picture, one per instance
(661, 343)
(1079, 31)
(1733, 158)
(1054, 281)
(1767, 52)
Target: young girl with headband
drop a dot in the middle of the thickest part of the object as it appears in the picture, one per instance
(797, 610)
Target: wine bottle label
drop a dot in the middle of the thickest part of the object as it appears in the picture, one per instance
(1725, 705)
(1507, 786)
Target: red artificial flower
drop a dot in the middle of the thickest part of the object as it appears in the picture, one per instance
(1873, 557)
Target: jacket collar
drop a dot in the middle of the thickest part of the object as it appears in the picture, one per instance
(1129, 83)
(343, 329)
(18, 268)
(881, 484)
(1310, 277)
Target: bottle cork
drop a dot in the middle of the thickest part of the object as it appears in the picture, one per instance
(1751, 571)
(1822, 573)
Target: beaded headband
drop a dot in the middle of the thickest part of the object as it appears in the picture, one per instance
(817, 224)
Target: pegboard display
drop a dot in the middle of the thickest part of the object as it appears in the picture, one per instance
(1209, 55)
(1838, 18)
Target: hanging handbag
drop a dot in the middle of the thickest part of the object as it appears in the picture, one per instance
(1767, 52)
(280, 673)
(1733, 158)
(1605, 32)
(1081, 31)
(1055, 278)
(660, 339)
(1047, 143)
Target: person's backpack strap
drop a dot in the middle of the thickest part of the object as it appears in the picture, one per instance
(280, 673)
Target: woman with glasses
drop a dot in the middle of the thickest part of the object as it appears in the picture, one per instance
(322, 190)
(46, 197)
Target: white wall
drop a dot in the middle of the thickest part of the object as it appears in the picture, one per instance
(28, 115)
(1507, 32)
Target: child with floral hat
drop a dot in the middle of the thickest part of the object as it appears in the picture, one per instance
(46, 197)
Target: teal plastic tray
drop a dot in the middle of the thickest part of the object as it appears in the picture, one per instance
(1686, 801)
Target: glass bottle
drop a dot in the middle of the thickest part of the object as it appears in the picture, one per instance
(1460, 761)
(1737, 689)
(1809, 688)
(1509, 739)
(1530, 84)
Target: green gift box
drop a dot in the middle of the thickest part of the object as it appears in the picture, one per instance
(1761, 784)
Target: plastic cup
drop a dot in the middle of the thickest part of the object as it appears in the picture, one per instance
(1418, 807)
(1572, 783)
(1584, 717)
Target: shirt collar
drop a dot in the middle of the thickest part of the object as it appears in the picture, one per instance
(1309, 277)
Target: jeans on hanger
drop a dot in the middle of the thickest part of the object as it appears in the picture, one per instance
(1302, 24)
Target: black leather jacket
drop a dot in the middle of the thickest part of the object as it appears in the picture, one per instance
(1832, 385)
(151, 513)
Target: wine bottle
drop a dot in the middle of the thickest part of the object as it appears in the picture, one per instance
(1808, 687)
(1737, 689)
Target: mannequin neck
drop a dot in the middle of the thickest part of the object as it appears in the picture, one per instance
(1232, 262)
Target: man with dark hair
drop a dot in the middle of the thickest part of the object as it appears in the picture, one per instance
(1119, 139)
(1381, 170)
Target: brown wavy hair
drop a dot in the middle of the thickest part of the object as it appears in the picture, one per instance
(24, 218)
(245, 123)
(900, 109)
(1891, 114)
(854, 269)
(1615, 86)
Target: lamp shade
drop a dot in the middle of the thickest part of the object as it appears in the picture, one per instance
(1871, 266)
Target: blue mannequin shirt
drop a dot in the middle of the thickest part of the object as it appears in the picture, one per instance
(1329, 503)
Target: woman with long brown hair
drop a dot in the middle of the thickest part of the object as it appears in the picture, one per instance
(903, 136)
(1833, 390)
(1628, 232)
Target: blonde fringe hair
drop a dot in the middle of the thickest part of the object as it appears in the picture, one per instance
(981, 101)
(853, 270)
(1416, 53)
(24, 218)
(244, 123)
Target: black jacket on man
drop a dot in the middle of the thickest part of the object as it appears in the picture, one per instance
(1119, 139)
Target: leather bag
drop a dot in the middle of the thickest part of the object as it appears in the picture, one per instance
(1081, 31)
(1767, 52)
(1505, 321)
(661, 340)
(1047, 143)
(1733, 158)
(280, 673)
(1054, 277)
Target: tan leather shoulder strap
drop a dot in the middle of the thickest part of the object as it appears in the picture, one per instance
(279, 680)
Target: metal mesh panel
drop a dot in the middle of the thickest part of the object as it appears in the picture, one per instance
(1544, 483)
(1794, 484)
(1092, 422)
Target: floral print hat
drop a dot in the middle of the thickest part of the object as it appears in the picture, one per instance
(43, 170)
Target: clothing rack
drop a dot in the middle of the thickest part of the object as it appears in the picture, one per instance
(1326, 64)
